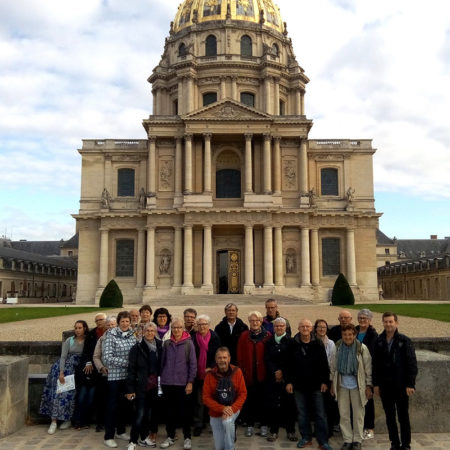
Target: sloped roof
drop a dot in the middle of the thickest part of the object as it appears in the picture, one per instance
(419, 248)
(60, 261)
(382, 239)
(72, 242)
(46, 248)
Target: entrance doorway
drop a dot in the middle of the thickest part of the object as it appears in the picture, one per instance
(229, 272)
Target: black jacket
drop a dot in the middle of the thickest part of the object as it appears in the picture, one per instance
(335, 333)
(142, 364)
(306, 365)
(214, 344)
(370, 338)
(228, 339)
(396, 369)
(275, 356)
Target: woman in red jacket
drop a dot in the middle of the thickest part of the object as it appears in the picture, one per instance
(250, 358)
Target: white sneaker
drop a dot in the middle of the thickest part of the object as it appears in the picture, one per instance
(187, 444)
(264, 431)
(65, 425)
(249, 432)
(131, 446)
(52, 428)
(111, 443)
(123, 436)
(147, 442)
(167, 443)
(368, 434)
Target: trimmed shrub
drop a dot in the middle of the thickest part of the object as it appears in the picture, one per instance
(111, 296)
(342, 292)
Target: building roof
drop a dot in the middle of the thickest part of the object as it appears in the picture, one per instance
(382, 239)
(72, 242)
(20, 255)
(46, 248)
(420, 248)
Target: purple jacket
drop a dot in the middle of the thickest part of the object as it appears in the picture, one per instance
(178, 363)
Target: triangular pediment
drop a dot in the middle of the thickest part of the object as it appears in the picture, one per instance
(227, 109)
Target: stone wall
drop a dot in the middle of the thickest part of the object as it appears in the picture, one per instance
(14, 393)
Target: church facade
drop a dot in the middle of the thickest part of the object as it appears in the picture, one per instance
(227, 194)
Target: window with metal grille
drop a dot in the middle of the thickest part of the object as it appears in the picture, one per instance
(331, 256)
(248, 99)
(211, 46)
(228, 183)
(125, 183)
(125, 258)
(209, 97)
(329, 182)
(246, 46)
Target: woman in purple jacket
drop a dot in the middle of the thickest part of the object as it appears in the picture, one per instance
(178, 371)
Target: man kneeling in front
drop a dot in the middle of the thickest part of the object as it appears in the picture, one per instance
(224, 394)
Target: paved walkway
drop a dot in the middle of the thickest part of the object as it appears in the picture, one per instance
(36, 437)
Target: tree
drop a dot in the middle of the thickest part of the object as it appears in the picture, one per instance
(111, 296)
(342, 292)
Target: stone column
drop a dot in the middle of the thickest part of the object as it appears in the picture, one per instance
(298, 103)
(140, 269)
(151, 175)
(223, 88)
(267, 164)
(190, 95)
(268, 256)
(234, 91)
(158, 102)
(302, 102)
(351, 259)
(306, 276)
(249, 260)
(276, 99)
(248, 163)
(178, 167)
(278, 256)
(188, 164)
(207, 169)
(303, 167)
(180, 97)
(177, 257)
(315, 271)
(150, 271)
(277, 166)
(104, 256)
(207, 257)
(267, 83)
(187, 257)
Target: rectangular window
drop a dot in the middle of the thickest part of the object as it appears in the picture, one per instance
(387, 251)
(331, 256)
(125, 183)
(125, 258)
(329, 182)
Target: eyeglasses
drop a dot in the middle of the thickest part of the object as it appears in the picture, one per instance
(363, 318)
(202, 324)
(177, 328)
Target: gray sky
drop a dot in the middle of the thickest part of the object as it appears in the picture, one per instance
(77, 69)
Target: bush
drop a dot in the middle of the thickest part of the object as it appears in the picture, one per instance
(342, 292)
(111, 296)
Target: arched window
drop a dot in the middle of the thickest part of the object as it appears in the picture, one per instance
(331, 256)
(182, 50)
(246, 46)
(211, 46)
(228, 183)
(124, 258)
(125, 183)
(329, 182)
(209, 97)
(275, 50)
(247, 98)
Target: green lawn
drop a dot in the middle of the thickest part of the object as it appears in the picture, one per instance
(16, 313)
(424, 310)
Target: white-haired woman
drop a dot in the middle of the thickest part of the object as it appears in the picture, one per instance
(206, 343)
(250, 357)
(142, 386)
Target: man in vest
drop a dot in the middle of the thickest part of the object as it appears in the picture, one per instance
(224, 393)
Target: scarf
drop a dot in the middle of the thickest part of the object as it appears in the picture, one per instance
(203, 342)
(163, 330)
(151, 345)
(278, 338)
(347, 363)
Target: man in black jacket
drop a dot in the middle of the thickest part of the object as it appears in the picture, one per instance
(307, 376)
(230, 329)
(394, 378)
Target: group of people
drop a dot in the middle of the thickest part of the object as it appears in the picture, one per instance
(147, 370)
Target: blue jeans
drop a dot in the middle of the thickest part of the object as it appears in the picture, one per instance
(84, 402)
(144, 407)
(117, 407)
(224, 432)
(314, 399)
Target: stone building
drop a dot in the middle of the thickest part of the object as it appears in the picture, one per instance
(227, 194)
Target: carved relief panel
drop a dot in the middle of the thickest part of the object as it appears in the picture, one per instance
(289, 174)
(166, 174)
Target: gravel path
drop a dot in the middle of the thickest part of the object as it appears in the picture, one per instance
(50, 329)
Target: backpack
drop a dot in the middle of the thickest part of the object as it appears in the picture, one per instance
(225, 391)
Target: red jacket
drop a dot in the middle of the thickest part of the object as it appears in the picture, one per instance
(209, 391)
(247, 351)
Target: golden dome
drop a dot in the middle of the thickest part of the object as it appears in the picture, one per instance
(200, 11)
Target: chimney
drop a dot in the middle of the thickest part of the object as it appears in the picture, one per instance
(433, 237)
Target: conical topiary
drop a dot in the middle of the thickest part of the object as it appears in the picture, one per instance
(342, 292)
(111, 296)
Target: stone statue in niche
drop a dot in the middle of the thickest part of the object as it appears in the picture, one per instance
(164, 264)
(312, 198)
(350, 194)
(291, 263)
(106, 199)
(142, 198)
